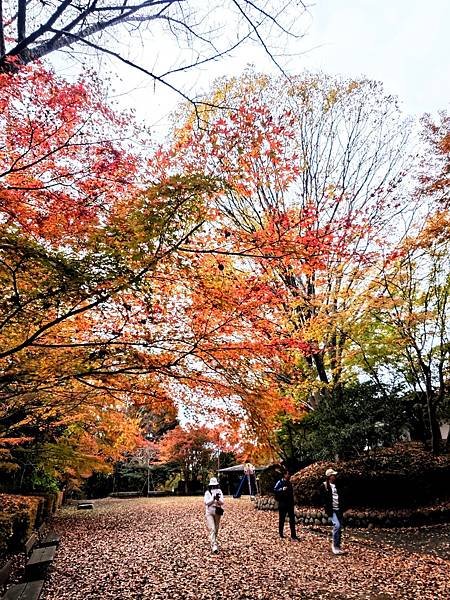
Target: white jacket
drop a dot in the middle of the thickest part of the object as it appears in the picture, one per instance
(211, 503)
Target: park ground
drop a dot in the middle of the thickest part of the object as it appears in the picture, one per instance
(157, 549)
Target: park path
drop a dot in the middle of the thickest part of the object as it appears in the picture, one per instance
(157, 549)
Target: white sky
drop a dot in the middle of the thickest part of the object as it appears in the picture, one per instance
(403, 43)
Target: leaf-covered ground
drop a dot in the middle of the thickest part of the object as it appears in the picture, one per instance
(158, 549)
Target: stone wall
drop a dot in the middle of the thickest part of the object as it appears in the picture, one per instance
(367, 517)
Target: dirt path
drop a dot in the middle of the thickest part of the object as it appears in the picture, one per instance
(155, 549)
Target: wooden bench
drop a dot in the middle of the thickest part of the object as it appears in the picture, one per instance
(30, 544)
(39, 562)
(30, 590)
(51, 538)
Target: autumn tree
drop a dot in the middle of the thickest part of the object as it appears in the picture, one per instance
(310, 173)
(435, 176)
(85, 326)
(409, 325)
(406, 330)
(81, 244)
(193, 449)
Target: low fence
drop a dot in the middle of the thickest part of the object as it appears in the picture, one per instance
(365, 517)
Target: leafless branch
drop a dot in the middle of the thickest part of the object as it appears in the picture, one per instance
(43, 28)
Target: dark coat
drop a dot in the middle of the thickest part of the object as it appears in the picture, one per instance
(284, 493)
(327, 497)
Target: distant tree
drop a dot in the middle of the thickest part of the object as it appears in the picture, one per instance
(311, 173)
(193, 448)
(413, 307)
(435, 178)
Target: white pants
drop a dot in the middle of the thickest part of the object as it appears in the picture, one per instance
(213, 522)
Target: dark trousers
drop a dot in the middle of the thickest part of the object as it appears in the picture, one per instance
(282, 512)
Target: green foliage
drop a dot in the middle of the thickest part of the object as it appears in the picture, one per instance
(129, 477)
(161, 474)
(99, 485)
(345, 423)
(43, 482)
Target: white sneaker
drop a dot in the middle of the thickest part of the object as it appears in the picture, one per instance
(215, 549)
(337, 550)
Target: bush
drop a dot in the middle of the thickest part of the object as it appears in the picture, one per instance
(405, 475)
(268, 479)
(19, 515)
(345, 423)
(6, 531)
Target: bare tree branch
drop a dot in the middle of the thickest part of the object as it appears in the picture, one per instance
(40, 28)
(2, 31)
(21, 20)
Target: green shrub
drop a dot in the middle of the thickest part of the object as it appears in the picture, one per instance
(345, 423)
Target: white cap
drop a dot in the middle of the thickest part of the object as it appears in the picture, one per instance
(213, 481)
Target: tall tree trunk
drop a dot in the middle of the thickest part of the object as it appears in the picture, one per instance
(435, 430)
(320, 366)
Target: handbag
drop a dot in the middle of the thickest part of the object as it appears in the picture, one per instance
(219, 510)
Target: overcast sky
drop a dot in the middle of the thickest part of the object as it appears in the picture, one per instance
(403, 43)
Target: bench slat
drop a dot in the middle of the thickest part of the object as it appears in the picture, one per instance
(30, 543)
(41, 555)
(51, 539)
(39, 562)
(30, 590)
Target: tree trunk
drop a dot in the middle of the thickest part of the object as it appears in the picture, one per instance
(435, 431)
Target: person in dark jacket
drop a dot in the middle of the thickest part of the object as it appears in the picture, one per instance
(333, 502)
(285, 496)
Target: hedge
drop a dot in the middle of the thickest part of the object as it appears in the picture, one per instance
(19, 515)
(404, 476)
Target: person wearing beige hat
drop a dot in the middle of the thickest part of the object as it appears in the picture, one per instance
(214, 503)
(333, 502)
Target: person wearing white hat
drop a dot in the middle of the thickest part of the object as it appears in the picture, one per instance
(214, 503)
(333, 504)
